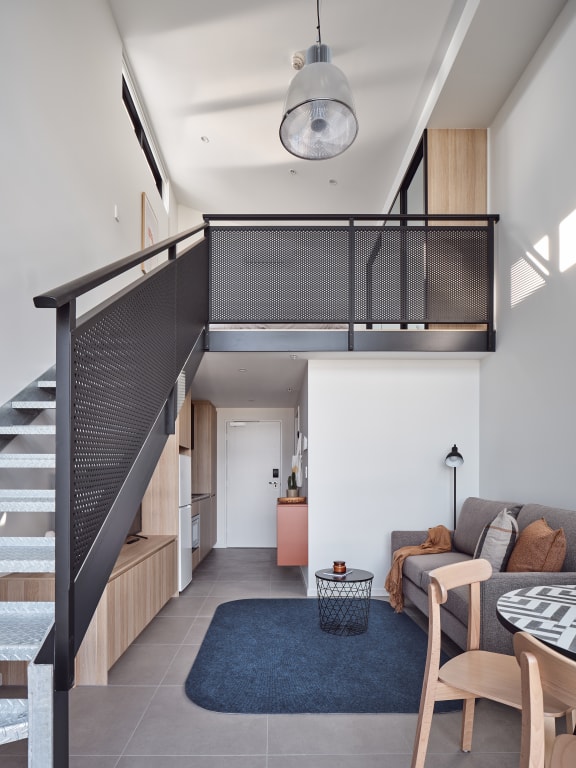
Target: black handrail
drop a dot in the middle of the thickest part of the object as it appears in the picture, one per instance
(67, 292)
(405, 217)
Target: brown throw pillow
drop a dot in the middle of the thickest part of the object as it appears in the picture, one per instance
(539, 548)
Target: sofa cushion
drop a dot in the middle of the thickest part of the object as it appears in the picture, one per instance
(556, 518)
(474, 516)
(417, 567)
(497, 540)
(539, 548)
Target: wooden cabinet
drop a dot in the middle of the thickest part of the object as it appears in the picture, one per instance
(143, 580)
(204, 453)
(185, 424)
(160, 502)
(292, 527)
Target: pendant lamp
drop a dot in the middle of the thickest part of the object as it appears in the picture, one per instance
(319, 121)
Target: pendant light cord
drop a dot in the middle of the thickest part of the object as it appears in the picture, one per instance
(318, 17)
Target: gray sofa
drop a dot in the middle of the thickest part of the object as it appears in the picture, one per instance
(474, 515)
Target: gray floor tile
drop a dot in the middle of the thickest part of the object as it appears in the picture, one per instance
(103, 718)
(203, 761)
(142, 665)
(339, 761)
(181, 665)
(198, 630)
(173, 725)
(166, 629)
(189, 605)
(92, 761)
(341, 734)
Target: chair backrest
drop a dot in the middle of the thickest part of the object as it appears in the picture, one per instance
(557, 672)
(543, 668)
(468, 573)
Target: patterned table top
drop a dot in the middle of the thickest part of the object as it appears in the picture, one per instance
(547, 612)
(23, 627)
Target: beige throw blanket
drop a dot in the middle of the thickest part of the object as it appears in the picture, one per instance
(439, 540)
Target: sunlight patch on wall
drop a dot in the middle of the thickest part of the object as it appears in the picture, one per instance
(567, 242)
(542, 248)
(524, 281)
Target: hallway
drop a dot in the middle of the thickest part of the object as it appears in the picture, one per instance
(144, 720)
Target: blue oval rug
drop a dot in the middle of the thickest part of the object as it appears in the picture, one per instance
(271, 657)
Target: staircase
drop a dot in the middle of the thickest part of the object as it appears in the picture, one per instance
(25, 509)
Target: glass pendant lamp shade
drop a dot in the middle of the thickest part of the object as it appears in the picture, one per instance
(319, 121)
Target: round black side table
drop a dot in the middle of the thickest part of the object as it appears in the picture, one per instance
(344, 600)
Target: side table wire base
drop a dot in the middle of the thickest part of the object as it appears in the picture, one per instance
(343, 606)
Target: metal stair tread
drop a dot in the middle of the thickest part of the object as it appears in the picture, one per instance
(22, 460)
(46, 384)
(27, 501)
(13, 720)
(27, 554)
(34, 404)
(28, 429)
(23, 627)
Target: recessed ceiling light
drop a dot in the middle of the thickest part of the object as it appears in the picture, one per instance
(293, 172)
(333, 182)
(242, 370)
(205, 139)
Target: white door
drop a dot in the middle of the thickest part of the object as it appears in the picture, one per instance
(253, 452)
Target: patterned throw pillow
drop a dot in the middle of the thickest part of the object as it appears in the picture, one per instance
(498, 538)
(539, 548)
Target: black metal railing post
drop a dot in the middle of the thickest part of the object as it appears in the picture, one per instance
(351, 284)
(63, 581)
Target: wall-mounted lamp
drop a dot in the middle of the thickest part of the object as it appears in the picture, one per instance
(454, 459)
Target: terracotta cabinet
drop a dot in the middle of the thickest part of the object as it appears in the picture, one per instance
(292, 520)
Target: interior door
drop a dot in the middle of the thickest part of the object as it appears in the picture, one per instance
(253, 452)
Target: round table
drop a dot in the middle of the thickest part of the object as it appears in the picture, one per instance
(547, 612)
(344, 600)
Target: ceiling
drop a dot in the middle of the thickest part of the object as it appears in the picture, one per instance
(220, 70)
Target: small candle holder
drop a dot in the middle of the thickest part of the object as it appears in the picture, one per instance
(339, 566)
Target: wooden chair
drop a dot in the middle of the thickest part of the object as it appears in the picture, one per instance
(545, 670)
(472, 674)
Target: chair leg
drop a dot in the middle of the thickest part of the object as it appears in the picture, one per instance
(549, 737)
(468, 709)
(423, 728)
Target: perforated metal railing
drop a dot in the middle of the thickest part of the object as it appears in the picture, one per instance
(394, 273)
(116, 373)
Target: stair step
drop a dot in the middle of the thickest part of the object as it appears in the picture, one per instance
(27, 554)
(46, 384)
(13, 720)
(26, 460)
(33, 404)
(23, 627)
(27, 501)
(28, 429)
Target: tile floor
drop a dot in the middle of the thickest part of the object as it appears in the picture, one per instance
(143, 719)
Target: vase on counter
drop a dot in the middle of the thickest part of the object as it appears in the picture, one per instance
(292, 491)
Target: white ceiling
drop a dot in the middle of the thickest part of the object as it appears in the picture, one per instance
(221, 70)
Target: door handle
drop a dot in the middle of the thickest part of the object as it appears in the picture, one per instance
(273, 482)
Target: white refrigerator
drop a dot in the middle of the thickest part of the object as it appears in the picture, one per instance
(185, 523)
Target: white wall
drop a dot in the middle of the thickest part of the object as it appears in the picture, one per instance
(379, 431)
(284, 415)
(528, 400)
(68, 155)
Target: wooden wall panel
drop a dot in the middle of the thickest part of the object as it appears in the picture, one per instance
(457, 170)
